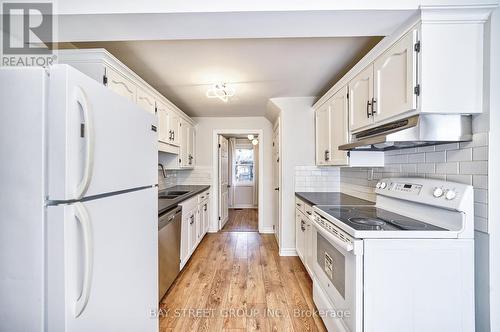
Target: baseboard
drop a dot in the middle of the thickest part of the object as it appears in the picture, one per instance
(213, 230)
(266, 230)
(243, 206)
(288, 252)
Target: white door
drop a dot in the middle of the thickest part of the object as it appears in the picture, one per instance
(323, 149)
(99, 142)
(276, 181)
(339, 133)
(102, 264)
(395, 79)
(360, 99)
(206, 216)
(300, 230)
(191, 145)
(223, 180)
(121, 85)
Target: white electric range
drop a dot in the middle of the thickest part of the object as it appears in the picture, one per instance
(405, 264)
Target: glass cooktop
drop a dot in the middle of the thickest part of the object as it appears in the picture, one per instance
(371, 218)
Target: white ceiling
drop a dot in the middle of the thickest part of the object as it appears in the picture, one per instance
(258, 69)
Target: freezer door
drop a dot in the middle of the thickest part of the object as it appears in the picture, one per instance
(98, 142)
(102, 264)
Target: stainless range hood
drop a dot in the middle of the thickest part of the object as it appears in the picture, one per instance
(414, 131)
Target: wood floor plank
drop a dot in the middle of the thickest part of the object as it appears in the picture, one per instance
(242, 220)
(243, 284)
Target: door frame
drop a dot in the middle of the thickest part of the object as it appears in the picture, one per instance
(216, 226)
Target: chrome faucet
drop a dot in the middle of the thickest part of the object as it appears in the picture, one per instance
(162, 170)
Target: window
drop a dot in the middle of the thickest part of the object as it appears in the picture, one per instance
(244, 166)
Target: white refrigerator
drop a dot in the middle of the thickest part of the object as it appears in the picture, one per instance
(78, 208)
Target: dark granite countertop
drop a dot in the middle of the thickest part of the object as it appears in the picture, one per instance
(167, 204)
(331, 198)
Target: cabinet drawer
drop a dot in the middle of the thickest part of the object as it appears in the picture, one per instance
(203, 196)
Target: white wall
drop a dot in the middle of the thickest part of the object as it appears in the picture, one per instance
(493, 67)
(205, 127)
(297, 149)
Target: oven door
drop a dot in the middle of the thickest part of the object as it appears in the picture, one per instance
(338, 267)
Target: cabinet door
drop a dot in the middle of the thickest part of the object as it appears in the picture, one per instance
(185, 246)
(299, 234)
(206, 217)
(120, 84)
(163, 124)
(193, 238)
(146, 101)
(360, 97)
(191, 145)
(174, 128)
(395, 74)
(184, 143)
(308, 247)
(339, 133)
(323, 134)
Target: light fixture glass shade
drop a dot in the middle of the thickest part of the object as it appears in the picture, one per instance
(221, 91)
(250, 137)
(255, 142)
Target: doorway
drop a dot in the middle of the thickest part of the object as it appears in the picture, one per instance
(238, 181)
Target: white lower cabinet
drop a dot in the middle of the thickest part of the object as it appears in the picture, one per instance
(195, 223)
(303, 235)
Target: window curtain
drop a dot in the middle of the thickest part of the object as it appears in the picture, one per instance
(232, 161)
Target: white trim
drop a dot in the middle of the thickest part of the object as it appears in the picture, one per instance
(215, 171)
(266, 230)
(243, 206)
(288, 252)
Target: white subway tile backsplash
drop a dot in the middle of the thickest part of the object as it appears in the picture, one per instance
(480, 153)
(426, 168)
(465, 179)
(447, 168)
(474, 167)
(435, 157)
(459, 155)
(416, 158)
(313, 178)
(464, 162)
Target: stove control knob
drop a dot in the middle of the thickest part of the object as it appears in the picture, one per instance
(450, 194)
(438, 192)
(383, 185)
(377, 185)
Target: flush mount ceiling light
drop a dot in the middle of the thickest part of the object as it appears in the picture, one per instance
(221, 91)
(250, 137)
(255, 141)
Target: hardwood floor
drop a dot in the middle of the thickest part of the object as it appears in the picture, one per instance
(236, 281)
(242, 220)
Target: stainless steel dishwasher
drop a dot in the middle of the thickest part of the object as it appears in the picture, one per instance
(169, 248)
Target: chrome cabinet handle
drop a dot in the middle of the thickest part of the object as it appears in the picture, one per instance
(192, 220)
(302, 225)
(374, 110)
(327, 155)
(368, 106)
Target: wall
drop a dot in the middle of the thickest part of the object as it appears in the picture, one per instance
(297, 149)
(205, 127)
(319, 179)
(198, 175)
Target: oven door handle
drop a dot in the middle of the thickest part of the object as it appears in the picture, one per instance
(342, 244)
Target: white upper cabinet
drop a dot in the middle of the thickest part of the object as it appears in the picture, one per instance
(332, 131)
(106, 69)
(187, 147)
(145, 100)
(360, 99)
(120, 84)
(323, 134)
(395, 73)
(339, 132)
(174, 128)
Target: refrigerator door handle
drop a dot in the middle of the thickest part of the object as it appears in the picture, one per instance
(83, 218)
(88, 134)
